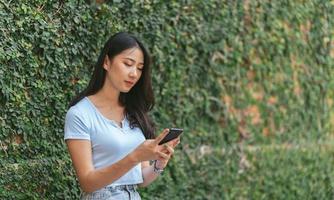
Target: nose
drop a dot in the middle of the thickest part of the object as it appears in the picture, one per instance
(133, 73)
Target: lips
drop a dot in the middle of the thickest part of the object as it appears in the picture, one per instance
(129, 83)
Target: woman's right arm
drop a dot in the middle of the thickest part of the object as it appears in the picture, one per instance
(92, 179)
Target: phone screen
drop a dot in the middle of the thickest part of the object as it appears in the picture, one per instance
(172, 134)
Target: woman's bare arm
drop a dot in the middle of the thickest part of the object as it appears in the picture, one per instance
(148, 174)
(90, 179)
(148, 170)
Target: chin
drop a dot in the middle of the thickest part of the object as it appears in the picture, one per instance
(125, 90)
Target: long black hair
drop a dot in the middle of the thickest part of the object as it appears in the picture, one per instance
(140, 99)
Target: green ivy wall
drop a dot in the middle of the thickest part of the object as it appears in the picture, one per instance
(251, 82)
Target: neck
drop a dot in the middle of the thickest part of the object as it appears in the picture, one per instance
(108, 97)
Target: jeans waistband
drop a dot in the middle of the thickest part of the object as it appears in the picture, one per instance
(122, 187)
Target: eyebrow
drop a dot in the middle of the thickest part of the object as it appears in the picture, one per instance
(133, 60)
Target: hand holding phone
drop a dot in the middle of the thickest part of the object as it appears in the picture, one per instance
(172, 134)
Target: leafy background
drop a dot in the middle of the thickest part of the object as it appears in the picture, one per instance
(251, 82)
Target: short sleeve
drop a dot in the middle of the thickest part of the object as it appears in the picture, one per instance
(75, 128)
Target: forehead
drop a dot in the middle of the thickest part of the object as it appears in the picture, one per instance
(133, 53)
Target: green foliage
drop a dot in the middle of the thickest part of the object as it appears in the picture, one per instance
(252, 72)
(279, 172)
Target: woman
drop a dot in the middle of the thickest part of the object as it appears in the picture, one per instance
(108, 132)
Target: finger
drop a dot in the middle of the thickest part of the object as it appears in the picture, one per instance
(165, 151)
(174, 142)
(178, 142)
(169, 149)
(163, 155)
(161, 136)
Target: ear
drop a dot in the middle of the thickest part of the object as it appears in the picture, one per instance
(106, 63)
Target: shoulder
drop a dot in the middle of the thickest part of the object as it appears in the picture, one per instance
(77, 122)
(82, 106)
(80, 111)
(76, 109)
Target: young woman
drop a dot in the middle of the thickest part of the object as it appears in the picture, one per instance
(108, 132)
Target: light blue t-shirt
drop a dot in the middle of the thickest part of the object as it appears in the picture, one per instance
(110, 143)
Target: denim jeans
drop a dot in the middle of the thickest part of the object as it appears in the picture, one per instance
(121, 192)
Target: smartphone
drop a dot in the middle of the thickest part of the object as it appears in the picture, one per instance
(172, 134)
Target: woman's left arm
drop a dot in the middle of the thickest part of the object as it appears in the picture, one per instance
(148, 173)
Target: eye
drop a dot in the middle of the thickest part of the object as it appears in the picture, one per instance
(128, 64)
(141, 69)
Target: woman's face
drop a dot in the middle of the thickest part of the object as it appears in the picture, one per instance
(125, 69)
